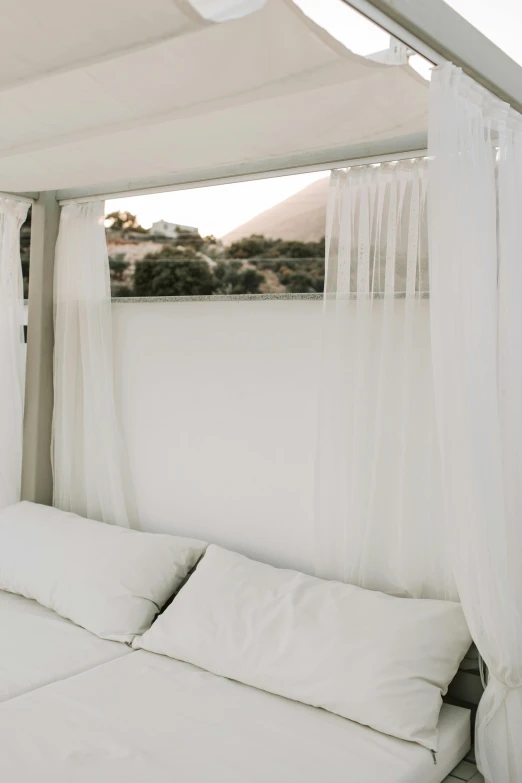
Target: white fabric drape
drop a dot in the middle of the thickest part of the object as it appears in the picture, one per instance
(12, 350)
(379, 495)
(475, 225)
(274, 65)
(90, 469)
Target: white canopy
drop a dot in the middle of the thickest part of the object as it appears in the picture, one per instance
(113, 93)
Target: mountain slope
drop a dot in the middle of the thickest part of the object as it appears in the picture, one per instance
(301, 217)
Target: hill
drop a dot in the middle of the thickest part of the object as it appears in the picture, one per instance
(301, 217)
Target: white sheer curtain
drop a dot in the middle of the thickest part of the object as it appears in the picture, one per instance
(90, 468)
(12, 350)
(379, 495)
(475, 223)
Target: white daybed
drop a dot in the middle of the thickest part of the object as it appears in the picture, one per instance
(187, 113)
(38, 647)
(149, 718)
(76, 707)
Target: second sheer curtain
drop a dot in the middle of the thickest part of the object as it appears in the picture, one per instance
(475, 145)
(91, 475)
(379, 495)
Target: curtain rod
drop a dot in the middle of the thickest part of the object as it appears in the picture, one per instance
(248, 177)
(371, 11)
(16, 197)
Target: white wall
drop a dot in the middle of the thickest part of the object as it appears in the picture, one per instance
(219, 409)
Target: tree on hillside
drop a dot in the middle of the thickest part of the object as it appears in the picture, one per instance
(179, 271)
(257, 246)
(295, 249)
(173, 278)
(232, 279)
(190, 240)
(251, 247)
(173, 252)
(299, 266)
(124, 221)
(118, 266)
(297, 282)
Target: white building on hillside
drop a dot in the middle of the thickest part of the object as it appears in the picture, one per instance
(171, 230)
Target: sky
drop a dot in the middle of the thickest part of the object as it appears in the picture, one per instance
(218, 209)
(499, 20)
(213, 210)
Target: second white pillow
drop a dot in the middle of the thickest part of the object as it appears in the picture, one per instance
(111, 580)
(378, 660)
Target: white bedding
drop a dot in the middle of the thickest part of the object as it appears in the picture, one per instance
(38, 647)
(147, 718)
(357, 653)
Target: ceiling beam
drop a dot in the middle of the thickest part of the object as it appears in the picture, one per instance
(430, 27)
(412, 145)
(439, 33)
(28, 198)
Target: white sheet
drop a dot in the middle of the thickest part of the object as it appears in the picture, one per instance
(149, 718)
(38, 647)
(267, 627)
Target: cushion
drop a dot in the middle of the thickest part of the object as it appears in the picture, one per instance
(381, 661)
(111, 580)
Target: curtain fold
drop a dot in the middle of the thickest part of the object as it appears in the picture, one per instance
(379, 492)
(475, 198)
(12, 350)
(90, 469)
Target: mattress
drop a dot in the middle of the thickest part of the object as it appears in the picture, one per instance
(38, 647)
(148, 718)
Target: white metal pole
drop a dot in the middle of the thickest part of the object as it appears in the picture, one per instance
(382, 19)
(202, 183)
(37, 481)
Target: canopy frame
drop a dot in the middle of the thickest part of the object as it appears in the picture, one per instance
(433, 29)
(439, 33)
(416, 147)
(37, 477)
(430, 27)
(26, 198)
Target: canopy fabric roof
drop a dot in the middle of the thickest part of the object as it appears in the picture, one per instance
(117, 91)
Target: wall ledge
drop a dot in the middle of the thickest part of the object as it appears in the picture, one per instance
(230, 298)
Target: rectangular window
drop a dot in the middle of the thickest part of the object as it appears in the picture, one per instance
(249, 238)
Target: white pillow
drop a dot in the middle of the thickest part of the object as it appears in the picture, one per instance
(110, 580)
(378, 660)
